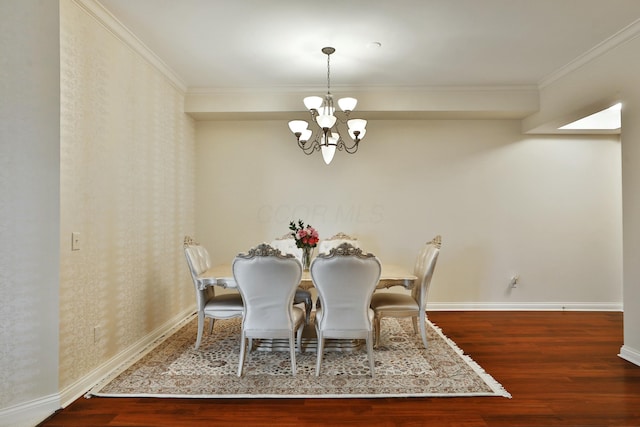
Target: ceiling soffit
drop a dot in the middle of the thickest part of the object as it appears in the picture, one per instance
(509, 101)
(460, 102)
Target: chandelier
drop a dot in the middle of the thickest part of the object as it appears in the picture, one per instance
(323, 113)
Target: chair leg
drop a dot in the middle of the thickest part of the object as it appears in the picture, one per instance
(308, 305)
(414, 320)
(299, 338)
(211, 322)
(200, 329)
(292, 351)
(376, 328)
(319, 351)
(243, 343)
(370, 352)
(423, 327)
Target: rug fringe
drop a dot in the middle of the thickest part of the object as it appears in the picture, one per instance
(294, 396)
(491, 382)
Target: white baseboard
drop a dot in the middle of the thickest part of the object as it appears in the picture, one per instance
(629, 354)
(29, 414)
(551, 306)
(84, 384)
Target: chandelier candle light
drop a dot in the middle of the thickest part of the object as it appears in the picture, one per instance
(323, 113)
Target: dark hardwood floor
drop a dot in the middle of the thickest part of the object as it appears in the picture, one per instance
(561, 368)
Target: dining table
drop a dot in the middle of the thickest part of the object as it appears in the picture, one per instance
(222, 275)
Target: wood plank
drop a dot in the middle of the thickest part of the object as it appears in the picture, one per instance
(561, 368)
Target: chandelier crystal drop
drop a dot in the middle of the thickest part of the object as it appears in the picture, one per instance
(323, 114)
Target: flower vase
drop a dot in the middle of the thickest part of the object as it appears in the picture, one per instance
(306, 258)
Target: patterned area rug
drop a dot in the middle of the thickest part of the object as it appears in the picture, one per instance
(403, 368)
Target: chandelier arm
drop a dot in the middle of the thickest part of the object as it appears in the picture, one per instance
(351, 149)
(342, 142)
(309, 147)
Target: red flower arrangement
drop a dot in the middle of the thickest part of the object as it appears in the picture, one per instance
(305, 236)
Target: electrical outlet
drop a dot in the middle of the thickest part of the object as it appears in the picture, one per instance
(514, 281)
(75, 241)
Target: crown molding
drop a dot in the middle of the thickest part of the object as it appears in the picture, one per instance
(203, 90)
(628, 33)
(95, 9)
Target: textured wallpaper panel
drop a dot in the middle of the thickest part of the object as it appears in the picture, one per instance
(127, 186)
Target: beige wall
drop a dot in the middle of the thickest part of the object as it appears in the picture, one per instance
(599, 77)
(127, 186)
(29, 209)
(631, 184)
(547, 208)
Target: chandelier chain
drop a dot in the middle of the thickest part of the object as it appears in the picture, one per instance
(328, 74)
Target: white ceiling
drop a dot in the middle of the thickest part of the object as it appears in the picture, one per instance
(235, 44)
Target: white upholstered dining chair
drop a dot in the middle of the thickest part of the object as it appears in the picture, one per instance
(209, 305)
(267, 281)
(345, 279)
(336, 240)
(390, 304)
(287, 245)
(325, 246)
